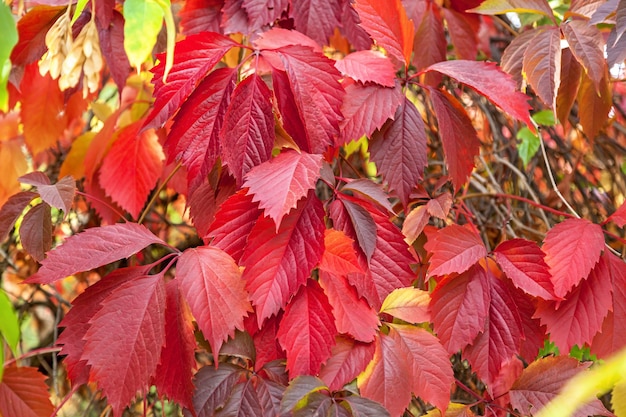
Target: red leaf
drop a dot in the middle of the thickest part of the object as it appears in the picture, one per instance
(542, 64)
(36, 231)
(399, 150)
(278, 263)
(408, 304)
(201, 16)
(12, 210)
(243, 401)
(348, 359)
(205, 201)
(263, 12)
(265, 341)
(523, 263)
(193, 58)
(126, 366)
(388, 24)
(455, 249)
(317, 94)
(458, 136)
(513, 56)
(372, 191)
(534, 331)
(414, 223)
(212, 285)
(316, 18)
(597, 103)
(24, 393)
(352, 314)
(368, 67)
(233, 222)
(248, 130)
(278, 185)
(570, 81)
(463, 34)
(572, 249)
(579, 317)
(111, 40)
(356, 222)
(366, 108)
(174, 373)
(194, 137)
(93, 248)
(587, 45)
(32, 29)
(459, 307)
(352, 29)
(543, 379)
(611, 337)
(59, 195)
(213, 387)
(502, 337)
(307, 331)
(490, 81)
(278, 37)
(430, 41)
(132, 168)
(339, 256)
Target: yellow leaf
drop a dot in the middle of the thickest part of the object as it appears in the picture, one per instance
(74, 163)
(408, 304)
(618, 400)
(14, 165)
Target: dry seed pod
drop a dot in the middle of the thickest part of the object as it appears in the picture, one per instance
(84, 56)
(59, 41)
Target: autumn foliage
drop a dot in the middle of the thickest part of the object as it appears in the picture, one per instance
(309, 207)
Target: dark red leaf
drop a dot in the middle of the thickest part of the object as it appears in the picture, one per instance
(36, 231)
(193, 58)
(352, 30)
(126, 366)
(12, 210)
(234, 18)
(534, 331)
(363, 407)
(211, 283)
(399, 150)
(356, 222)
(201, 16)
(205, 201)
(348, 359)
(248, 130)
(93, 248)
(278, 263)
(455, 249)
(243, 402)
(368, 67)
(462, 34)
(263, 12)
(542, 64)
(112, 47)
(59, 195)
(265, 342)
(32, 29)
(270, 394)
(307, 331)
(316, 18)
(213, 387)
(24, 393)
(430, 42)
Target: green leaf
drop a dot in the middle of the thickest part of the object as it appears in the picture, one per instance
(1, 360)
(80, 6)
(144, 20)
(528, 146)
(9, 39)
(9, 325)
(544, 118)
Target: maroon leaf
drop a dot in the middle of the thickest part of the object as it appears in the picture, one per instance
(278, 185)
(368, 67)
(455, 249)
(193, 58)
(126, 366)
(462, 34)
(348, 359)
(300, 390)
(24, 393)
(263, 12)
(352, 30)
(356, 222)
(587, 45)
(611, 339)
(213, 387)
(316, 18)
(12, 210)
(430, 41)
(399, 150)
(542, 64)
(93, 248)
(248, 130)
(278, 263)
(458, 136)
(201, 16)
(36, 231)
(372, 191)
(307, 331)
(59, 195)
(111, 39)
(243, 401)
(234, 18)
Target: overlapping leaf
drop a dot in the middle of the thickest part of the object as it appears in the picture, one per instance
(368, 67)
(36, 231)
(408, 304)
(339, 256)
(263, 12)
(348, 359)
(23, 392)
(59, 195)
(12, 210)
(587, 45)
(519, 6)
(317, 18)
(455, 248)
(611, 339)
(213, 387)
(542, 64)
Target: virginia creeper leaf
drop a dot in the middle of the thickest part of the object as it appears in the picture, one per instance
(269, 393)
(455, 249)
(618, 217)
(356, 222)
(111, 38)
(299, 389)
(414, 223)
(135, 313)
(523, 263)
(459, 307)
(36, 231)
(243, 401)
(248, 130)
(211, 282)
(352, 29)
(59, 195)
(542, 64)
(213, 387)
(348, 359)
(205, 200)
(93, 248)
(278, 184)
(399, 150)
(408, 304)
(587, 44)
(462, 34)
(493, 7)
(263, 12)
(316, 18)
(371, 190)
(143, 20)
(278, 37)
(24, 393)
(12, 210)
(32, 29)
(368, 67)
(278, 263)
(307, 331)
(339, 256)
(572, 249)
(429, 43)
(597, 103)
(513, 57)
(234, 18)
(201, 16)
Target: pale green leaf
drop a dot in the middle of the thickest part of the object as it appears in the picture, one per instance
(1, 360)
(9, 325)
(143, 22)
(80, 6)
(9, 39)
(528, 146)
(544, 118)
(618, 398)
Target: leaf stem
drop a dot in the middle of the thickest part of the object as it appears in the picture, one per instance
(157, 192)
(518, 198)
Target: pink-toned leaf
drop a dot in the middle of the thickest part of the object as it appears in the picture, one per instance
(585, 8)
(414, 223)
(93, 248)
(523, 263)
(543, 379)
(234, 18)
(490, 81)
(513, 57)
(36, 231)
(352, 29)
(307, 331)
(12, 210)
(579, 317)
(211, 283)
(248, 130)
(408, 304)
(458, 136)
(59, 195)
(173, 376)
(372, 191)
(542, 64)
(339, 256)
(587, 45)
(24, 393)
(213, 387)
(455, 249)
(277, 263)
(193, 58)
(277, 38)
(126, 366)
(388, 24)
(316, 18)
(366, 108)
(263, 12)
(205, 200)
(368, 67)
(357, 223)
(440, 206)
(430, 43)
(462, 34)
(348, 359)
(243, 401)
(572, 249)
(278, 184)
(132, 168)
(399, 150)
(201, 16)
(459, 307)
(352, 314)
(194, 137)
